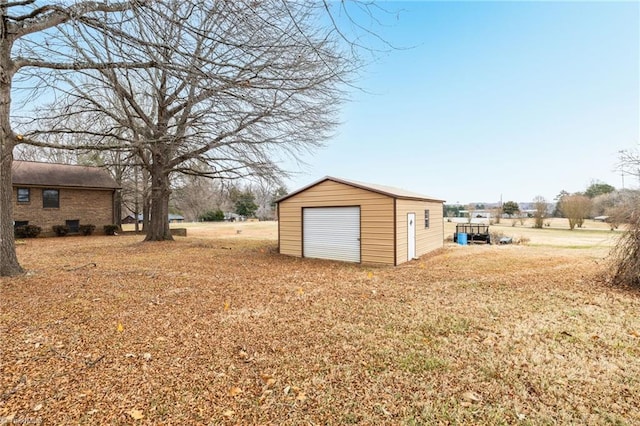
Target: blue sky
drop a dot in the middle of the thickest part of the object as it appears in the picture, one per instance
(511, 99)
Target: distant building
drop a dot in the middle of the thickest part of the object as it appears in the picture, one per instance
(173, 218)
(233, 217)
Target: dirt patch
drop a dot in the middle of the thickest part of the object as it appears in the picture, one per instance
(227, 331)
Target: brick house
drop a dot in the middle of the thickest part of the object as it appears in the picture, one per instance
(46, 194)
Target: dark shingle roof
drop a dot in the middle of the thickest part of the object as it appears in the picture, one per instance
(61, 175)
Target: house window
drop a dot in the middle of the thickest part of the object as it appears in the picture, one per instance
(18, 223)
(426, 219)
(23, 195)
(73, 225)
(50, 198)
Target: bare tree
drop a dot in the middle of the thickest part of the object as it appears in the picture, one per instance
(266, 192)
(540, 206)
(629, 163)
(471, 209)
(194, 195)
(27, 30)
(235, 87)
(619, 206)
(576, 208)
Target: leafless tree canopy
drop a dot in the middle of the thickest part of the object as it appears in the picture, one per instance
(625, 266)
(576, 208)
(27, 31)
(629, 163)
(540, 205)
(235, 87)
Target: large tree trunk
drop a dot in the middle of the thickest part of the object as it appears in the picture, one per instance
(158, 229)
(9, 265)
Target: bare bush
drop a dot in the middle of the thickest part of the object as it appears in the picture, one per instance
(625, 268)
(496, 236)
(540, 206)
(575, 208)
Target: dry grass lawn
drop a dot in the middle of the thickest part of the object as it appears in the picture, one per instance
(220, 329)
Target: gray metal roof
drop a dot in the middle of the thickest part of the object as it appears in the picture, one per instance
(380, 189)
(61, 175)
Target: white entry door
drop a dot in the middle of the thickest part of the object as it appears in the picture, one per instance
(411, 236)
(331, 233)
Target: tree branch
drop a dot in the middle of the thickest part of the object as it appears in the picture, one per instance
(49, 16)
(24, 62)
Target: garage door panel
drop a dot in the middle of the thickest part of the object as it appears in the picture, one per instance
(332, 233)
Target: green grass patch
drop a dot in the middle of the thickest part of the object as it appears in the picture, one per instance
(445, 325)
(418, 363)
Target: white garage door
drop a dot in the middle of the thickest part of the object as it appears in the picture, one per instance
(331, 233)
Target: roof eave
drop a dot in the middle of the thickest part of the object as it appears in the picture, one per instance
(38, 185)
(355, 185)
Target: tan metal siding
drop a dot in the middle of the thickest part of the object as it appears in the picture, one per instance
(376, 215)
(426, 239)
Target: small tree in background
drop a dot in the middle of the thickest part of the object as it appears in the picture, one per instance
(576, 208)
(540, 205)
(496, 213)
(471, 208)
(212, 216)
(510, 208)
(452, 210)
(558, 200)
(598, 188)
(245, 204)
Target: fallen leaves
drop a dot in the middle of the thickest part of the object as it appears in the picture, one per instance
(135, 414)
(268, 380)
(470, 397)
(248, 337)
(244, 356)
(234, 391)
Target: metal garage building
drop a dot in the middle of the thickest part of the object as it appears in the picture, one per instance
(352, 221)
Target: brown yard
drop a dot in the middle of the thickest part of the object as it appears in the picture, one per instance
(217, 328)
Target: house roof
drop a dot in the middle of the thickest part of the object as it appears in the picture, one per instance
(61, 175)
(380, 189)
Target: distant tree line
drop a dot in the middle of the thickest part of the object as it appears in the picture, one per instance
(599, 200)
(200, 199)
